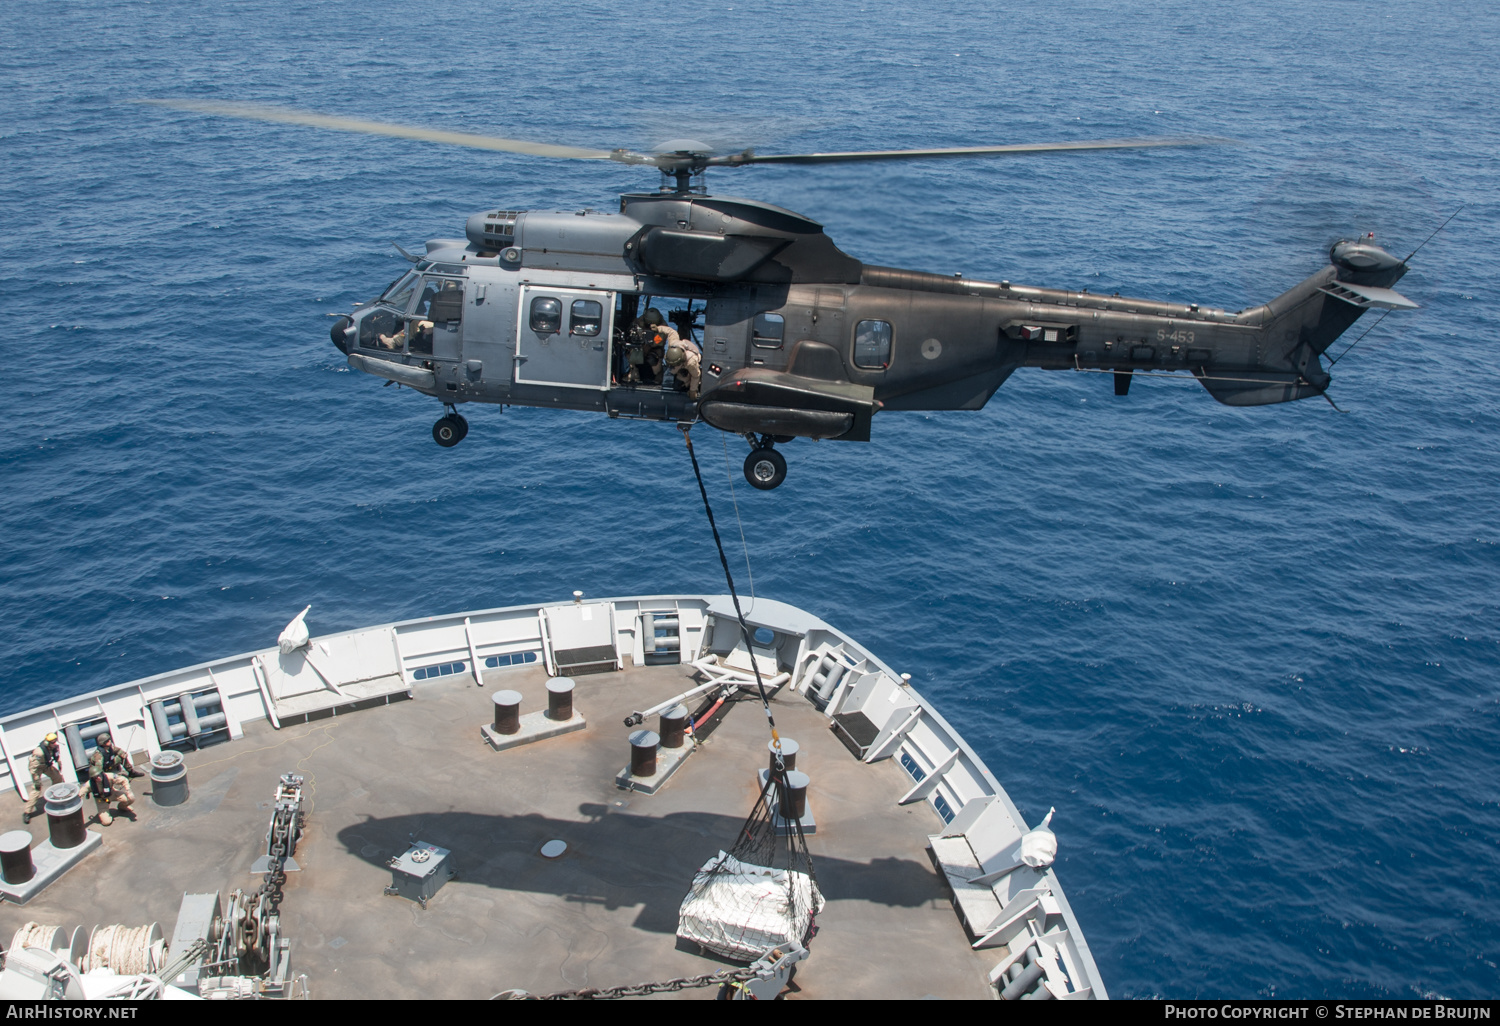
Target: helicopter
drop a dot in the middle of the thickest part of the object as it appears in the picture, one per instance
(777, 333)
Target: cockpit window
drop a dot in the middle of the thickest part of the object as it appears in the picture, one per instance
(546, 315)
(399, 294)
(382, 328)
(585, 318)
(428, 265)
(430, 288)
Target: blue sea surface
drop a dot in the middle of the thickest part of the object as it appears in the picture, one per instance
(1249, 655)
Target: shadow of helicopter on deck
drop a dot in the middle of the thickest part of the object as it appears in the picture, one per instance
(619, 859)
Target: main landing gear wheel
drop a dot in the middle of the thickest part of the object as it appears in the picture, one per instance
(765, 468)
(450, 430)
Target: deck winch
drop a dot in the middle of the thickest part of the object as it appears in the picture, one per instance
(244, 953)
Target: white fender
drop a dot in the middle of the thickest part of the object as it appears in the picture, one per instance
(1039, 846)
(295, 636)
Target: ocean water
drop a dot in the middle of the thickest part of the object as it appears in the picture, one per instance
(1249, 655)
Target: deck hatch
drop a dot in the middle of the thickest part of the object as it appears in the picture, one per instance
(856, 730)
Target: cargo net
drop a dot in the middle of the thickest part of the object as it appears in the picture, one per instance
(759, 895)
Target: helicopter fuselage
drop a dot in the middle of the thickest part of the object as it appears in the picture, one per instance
(797, 338)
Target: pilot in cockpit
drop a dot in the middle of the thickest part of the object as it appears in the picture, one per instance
(398, 340)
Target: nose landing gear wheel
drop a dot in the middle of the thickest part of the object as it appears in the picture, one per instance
(450, 430)
(765, 468)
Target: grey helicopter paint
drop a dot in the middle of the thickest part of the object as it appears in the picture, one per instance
(798, 339)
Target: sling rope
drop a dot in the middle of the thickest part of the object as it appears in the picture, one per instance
(764, 815)
(729, 473)
(760, 685)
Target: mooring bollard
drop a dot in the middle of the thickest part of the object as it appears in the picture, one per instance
(674, 723)
(560, 698)
(15, 857)
(789, 749)
(507, 711)
(169, 783)
(793, 799)
(64, 815)
(643, 745)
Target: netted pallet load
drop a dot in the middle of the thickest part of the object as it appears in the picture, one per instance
(759, 895)
(740, 911)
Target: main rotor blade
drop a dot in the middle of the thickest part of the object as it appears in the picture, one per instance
(281, 115)
(735, 159)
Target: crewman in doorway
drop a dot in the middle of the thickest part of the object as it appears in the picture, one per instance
(44, 764)
(655, 335)
(686, 361)
(109, 778)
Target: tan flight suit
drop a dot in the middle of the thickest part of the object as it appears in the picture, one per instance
(43, 767)
(686, 362)
(103, 764)
(396, 341)
(662, 336)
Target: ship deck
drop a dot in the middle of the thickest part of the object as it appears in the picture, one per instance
(603, 914)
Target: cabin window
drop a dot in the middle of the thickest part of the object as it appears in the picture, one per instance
(546, 315)
(770, 329)
(872, 345)
(584, 319)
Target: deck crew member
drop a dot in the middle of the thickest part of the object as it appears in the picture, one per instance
(46, 764)
(109, 778)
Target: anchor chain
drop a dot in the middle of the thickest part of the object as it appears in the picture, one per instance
(272, 886)
(720, 978)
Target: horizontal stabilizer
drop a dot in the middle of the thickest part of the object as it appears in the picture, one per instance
(1367, 296)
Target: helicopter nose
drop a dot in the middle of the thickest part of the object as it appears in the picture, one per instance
(336, 333)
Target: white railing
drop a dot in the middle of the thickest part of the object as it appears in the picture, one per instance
(331, 673)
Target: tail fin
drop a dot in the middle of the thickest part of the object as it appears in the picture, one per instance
(1298, 326)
